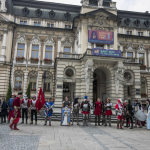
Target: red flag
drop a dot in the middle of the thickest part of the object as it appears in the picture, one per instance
(40, 101)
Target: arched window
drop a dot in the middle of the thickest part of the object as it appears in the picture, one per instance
(48, 82)
(143, 87)
(18, 80)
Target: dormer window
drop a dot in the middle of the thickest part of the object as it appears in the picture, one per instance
(50, 25)
(129, 32)
(140, 33)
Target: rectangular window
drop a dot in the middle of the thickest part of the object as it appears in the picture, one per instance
(67, 52)
(100, 46)
(36, 24)
(143, 90)
(129, 55)
(18, 82)
(35, 51)
(23, 22)
(67, 26)
(140, 33)
(47, 84)
(33, 83)
(48, 25)
(66, 87)
(141, 59)
(129, 32)
(48, 52)
(20, 50)
(52, 25)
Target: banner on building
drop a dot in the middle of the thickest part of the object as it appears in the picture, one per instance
(106, 52)
(101, 37)
(65, 116)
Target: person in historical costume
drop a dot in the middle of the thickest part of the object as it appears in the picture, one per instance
(147, 104)
(129, 114)
(33, 109)
(17, 112)
(94, 35)
(85, 106)
(10, 107)
(98, 110)
(48, 111)
(119, 112)
(4, 107)
(89, 120)
(136, 108)
(148, 115)
(66, 103)
(76, 107)
(25, 104)
(108, 112)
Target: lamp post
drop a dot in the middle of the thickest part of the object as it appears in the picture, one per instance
(44, 77)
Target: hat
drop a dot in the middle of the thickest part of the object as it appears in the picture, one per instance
(13, 94)
(33, 96)
(126, 101)
(25, 96)
(20, 93)
(50, 98)
(119, 101)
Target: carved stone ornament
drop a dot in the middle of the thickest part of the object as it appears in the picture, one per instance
(118, 78)
(38, 13)
(67, 15)
(32, 74)
(48, 74)
(141, 47)
(129, 47)
(67, 42)
(21, 38)
(147, 24)
(137, 23)
(25, 11)
(100, 2)
(100, 28)
(35, 39)
(51, 14)
(49, 40)
(127, 21)
(143, 79)
(18, 73)
(88, 71)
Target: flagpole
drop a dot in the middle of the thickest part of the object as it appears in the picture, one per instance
(26, 73)
(38, 72)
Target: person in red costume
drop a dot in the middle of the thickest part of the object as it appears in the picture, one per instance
(17, 114)
(98, 109)
(119, 112)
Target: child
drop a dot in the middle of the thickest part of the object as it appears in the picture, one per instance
(4, 107)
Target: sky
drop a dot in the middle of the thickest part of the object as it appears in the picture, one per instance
(130, 5)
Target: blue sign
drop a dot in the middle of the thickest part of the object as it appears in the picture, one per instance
(106, 52)
(65, 116)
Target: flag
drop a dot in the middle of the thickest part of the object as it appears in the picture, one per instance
(40, 101)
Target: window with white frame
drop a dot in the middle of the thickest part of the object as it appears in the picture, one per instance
(47, 84)
(67, 51)
(23, 22)
(48, 52)
(33, 83)
(67, 26)
(141, 59)
(143, 88)
(129, 32)
(20, 50)
(18, 82)
(36, 23)
(99, 46)
(140, 33)
(129, 55)
(35, 51)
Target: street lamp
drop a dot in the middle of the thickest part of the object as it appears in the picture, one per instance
(44, 76)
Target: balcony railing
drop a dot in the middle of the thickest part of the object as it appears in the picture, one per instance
(66, 55)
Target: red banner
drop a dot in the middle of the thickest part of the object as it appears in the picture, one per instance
(40, 101)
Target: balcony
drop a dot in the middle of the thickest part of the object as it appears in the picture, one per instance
(17, 88)
(66, 55)
(143, 67)
(20, 59)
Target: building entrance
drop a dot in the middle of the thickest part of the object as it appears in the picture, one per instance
(99, 85)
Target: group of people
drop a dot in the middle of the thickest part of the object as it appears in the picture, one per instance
(16, 105)
(102, 111)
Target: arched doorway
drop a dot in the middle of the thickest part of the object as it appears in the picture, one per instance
(99, 85)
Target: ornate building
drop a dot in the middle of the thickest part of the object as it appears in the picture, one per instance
(37, 36)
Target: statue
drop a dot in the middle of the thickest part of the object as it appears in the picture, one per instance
(100, 2)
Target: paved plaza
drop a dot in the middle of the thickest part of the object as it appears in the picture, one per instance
(56, 137)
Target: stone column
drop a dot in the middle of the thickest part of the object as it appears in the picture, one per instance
(59, 46)
(75, 46)
(89, 44)
(79, 43)
(4, 46)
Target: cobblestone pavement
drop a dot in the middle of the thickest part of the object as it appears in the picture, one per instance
(56, 137)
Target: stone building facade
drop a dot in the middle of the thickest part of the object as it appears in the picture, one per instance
(37, 36)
